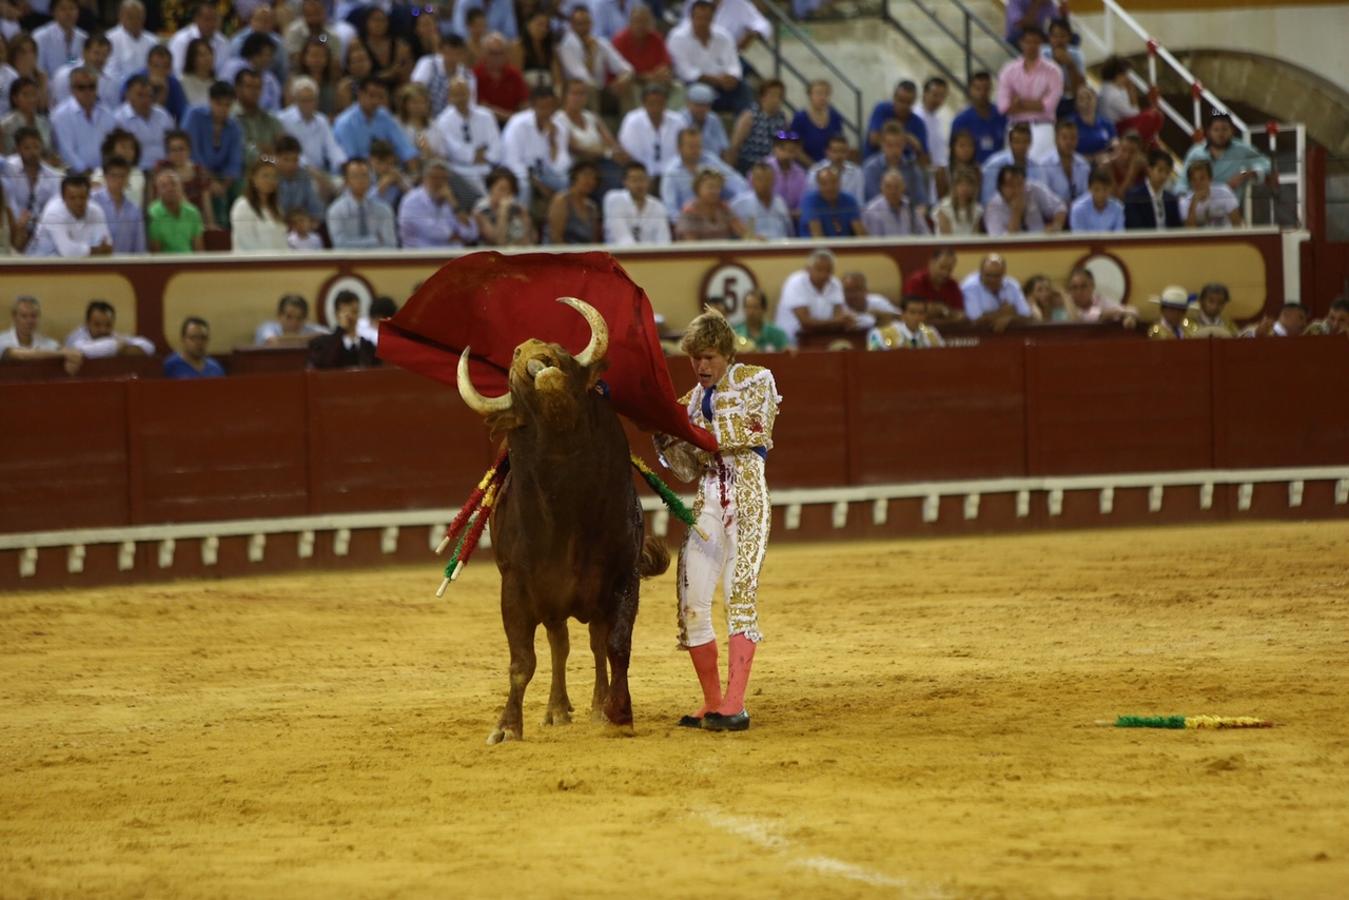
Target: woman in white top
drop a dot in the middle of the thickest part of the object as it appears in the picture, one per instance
(412, 106)
(256, 222)
(959, 211)
(588, 138)
(198, 72)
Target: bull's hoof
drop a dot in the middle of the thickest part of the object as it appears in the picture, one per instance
(557, 717)
(619, 731)
(717, 722)
(500, 735)
(597, 715)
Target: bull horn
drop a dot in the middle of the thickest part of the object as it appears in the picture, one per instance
(477, 402)
(599, 332)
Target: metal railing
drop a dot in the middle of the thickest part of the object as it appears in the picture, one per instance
(970, 22)
(784, 23)
(1114, 19)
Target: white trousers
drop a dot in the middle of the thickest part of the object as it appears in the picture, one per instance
(732, 555)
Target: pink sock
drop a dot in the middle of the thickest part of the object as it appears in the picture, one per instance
(704, 658)
(741, 658)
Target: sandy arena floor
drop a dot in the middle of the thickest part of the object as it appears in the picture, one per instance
(921, 728)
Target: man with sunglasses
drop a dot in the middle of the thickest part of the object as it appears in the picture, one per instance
(80, 124)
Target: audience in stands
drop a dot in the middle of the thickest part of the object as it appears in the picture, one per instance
(1022, 206)
(462, 81)
(1336, 322)
(1029, 90)
(761, 208)
(1208, 204)
(818, 121)
(97, 338)
(704, 53)
(1173, 303)
(1152, 205)
(381, 308)
(173, 225)
(1291, 322)
(960, 212)
(890, 213)
(1233, 162)
(707, 217)
(868, 309)
(993, 299)
(1086, 304)
(429, 215)
(812, 299)
(191, 360)
(70, 226)
(1208, 314)
(357, 219)
(125, 222)
(24, 340)
(573, 217)
(829, 212)
(936, 285)
(1047, 303)
(343, 347)
(756, 333)
(256, 220)
(631, 215)
(1097, 210)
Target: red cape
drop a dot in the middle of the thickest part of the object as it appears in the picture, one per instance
(493, 302)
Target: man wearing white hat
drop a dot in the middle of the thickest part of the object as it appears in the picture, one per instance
(1173, 325)
(698, 114)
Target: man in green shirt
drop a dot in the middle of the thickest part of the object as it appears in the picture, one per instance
(755, 333)
(173, 224)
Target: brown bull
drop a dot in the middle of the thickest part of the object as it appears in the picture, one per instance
(567, 530)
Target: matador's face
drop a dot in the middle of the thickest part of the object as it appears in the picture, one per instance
(708, 367)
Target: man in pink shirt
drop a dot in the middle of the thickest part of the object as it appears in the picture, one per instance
(1029, 90)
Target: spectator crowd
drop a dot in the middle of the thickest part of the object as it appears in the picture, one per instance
(305, 124)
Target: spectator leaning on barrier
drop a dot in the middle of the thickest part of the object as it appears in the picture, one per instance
(1336, 322)
(1151, 205)
(992, 299)
(1085, 304)
(631, 215)
(812, 299)
(936, 285)
(756, 333)
(358, 220)
(982, 118)
(1023, 206)
(1291, 322)
(867, 309)
(344, 348)
(174, 224)
(291, 327)
(1208, 204)
(70, 226)
(1097, 210)
(763, 211)
(24, 340)
(97, 338)
(1207, 312)
(191, 361)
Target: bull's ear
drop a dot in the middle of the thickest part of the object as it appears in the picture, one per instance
(501, 423)
(595, 372)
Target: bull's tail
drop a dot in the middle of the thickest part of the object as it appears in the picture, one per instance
(655, 558)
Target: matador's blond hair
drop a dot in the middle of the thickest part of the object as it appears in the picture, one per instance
(710, 331)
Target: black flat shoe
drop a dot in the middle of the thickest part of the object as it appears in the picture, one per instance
(690, 722)
(717, 722)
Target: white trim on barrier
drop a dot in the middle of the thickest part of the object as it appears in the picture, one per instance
(931, 492)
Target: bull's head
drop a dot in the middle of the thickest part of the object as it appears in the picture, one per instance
(543, 377)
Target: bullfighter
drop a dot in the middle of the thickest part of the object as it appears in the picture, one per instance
(738, 403)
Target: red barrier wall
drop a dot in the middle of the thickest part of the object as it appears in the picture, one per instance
(107, 453)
